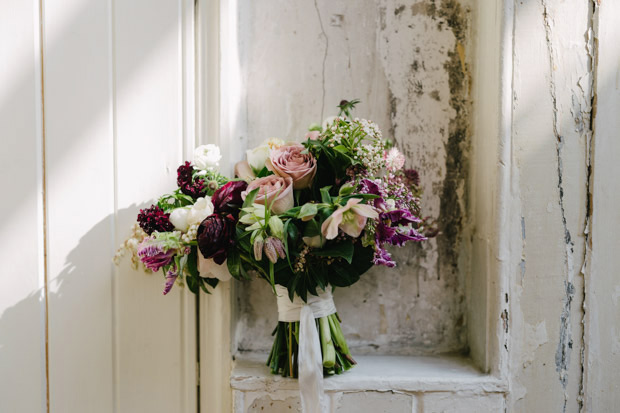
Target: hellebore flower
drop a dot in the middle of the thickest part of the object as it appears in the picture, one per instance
(351, 219)
(154, 219)
(228, 199)
(215, 236)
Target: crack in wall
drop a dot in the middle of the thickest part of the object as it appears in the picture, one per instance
(565, 344)
(592, 68)
(316, 6)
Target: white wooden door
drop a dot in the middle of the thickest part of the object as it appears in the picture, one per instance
(96, 113)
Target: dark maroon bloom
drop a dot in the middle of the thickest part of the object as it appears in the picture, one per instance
(215, 236)
(154, 219)
(194, 187)
(227, 199)
(412, 176)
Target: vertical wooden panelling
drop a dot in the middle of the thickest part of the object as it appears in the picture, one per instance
(22, 301)
(154, 333)
(602, 306)
(80, 193)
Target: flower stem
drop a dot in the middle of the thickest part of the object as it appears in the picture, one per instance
(290, 347)
(327, 345)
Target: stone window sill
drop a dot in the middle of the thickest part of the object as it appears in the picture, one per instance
(376, 373)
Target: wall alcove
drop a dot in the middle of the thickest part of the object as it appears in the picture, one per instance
(434, 322)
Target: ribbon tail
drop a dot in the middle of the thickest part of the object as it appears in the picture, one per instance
(310, 363)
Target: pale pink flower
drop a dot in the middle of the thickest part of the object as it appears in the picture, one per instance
(351, 219)
(274, 191)
(289, 161)
(394, 159)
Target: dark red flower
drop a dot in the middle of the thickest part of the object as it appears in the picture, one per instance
(412, 176)
(154, 219)
(194, 187)
(215, 236)
(227, 199)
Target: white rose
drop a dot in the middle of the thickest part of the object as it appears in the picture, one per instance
(199, 211)
(328, 121)
(178, 218)
(207, 157)
(258, 156)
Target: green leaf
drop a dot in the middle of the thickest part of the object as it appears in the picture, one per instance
(234, 263)
(192, 284)
(192, 262)
(249, 199)
(325, 197)
(263, 172)
(342, 250)
(312, 229)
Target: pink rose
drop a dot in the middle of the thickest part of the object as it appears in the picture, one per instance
(274, 191)
(289, 161)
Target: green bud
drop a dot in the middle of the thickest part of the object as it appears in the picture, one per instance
(276, 226)
(307, 212)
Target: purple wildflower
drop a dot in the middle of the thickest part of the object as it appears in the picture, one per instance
(154, 219)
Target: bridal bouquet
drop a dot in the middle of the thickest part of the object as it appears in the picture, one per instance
(317, 215)
(307, 217)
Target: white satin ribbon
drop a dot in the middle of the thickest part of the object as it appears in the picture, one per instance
(309, 358)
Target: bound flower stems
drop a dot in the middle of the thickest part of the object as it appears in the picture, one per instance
(284, 352)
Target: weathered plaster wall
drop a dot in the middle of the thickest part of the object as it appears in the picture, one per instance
(408, 63)
(551, 141)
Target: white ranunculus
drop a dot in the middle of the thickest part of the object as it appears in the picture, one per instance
(178, 218)
(202, 208)
(328, 121)
(258, 156)
(207, 157)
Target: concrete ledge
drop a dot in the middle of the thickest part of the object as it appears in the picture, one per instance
(413, 374)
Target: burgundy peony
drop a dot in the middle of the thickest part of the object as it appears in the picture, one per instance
(194, 187)
(154, 219)
(227, 199)
(215, 236)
